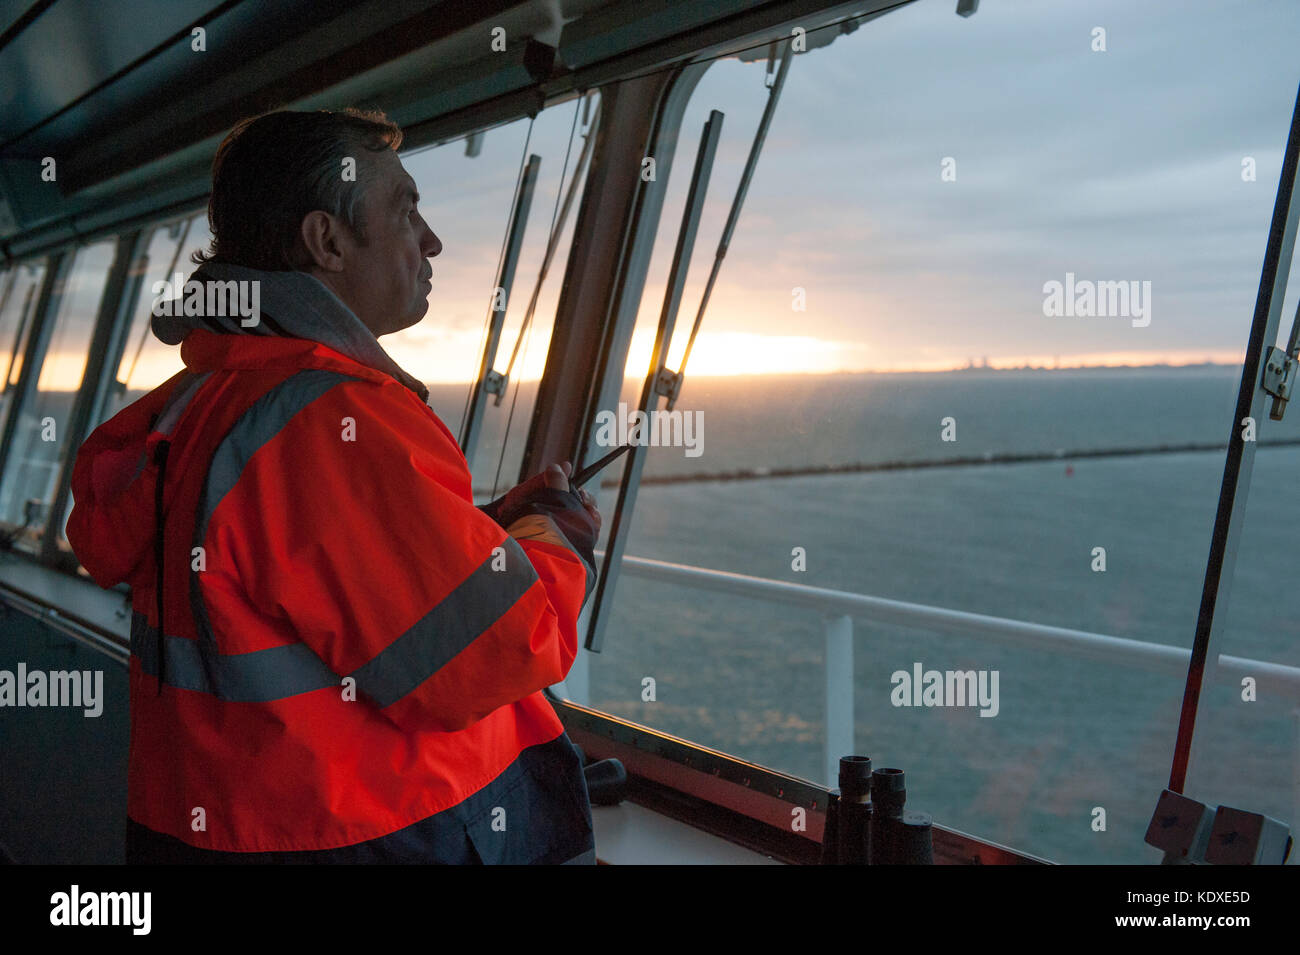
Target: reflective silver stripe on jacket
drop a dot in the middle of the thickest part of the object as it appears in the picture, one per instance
(471, 609)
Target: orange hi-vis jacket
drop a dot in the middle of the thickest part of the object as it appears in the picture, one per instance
(349, 656)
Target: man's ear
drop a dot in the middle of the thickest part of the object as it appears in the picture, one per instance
(321, 236)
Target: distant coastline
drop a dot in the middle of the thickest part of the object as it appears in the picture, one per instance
(976, 370)
(971, 370)
(1154, 366)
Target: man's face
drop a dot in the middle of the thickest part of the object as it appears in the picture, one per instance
(387, 281)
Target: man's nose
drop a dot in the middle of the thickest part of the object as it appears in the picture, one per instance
(431, 245)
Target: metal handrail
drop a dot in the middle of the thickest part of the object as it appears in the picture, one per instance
(53, 618)
(1274, 681)
(1279, 680)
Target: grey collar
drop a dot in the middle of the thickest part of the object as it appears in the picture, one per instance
(287, 304)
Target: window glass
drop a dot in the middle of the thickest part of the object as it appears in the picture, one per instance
(146, 362)
(20, 290)
(1244, 753)
(894, 403)
(39, 447)
(467, 200)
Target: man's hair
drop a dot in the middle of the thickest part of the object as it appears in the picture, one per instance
(275, 168)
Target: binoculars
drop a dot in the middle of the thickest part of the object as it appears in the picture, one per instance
(867, 824)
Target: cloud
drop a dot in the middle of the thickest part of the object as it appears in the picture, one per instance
(1122, 165)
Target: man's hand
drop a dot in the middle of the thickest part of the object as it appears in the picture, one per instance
(555, 476)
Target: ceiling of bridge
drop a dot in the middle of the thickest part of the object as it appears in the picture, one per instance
(94, 71)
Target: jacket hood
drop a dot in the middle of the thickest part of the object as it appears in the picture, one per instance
(235, 300)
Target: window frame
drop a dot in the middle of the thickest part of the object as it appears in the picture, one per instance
(701, 786)
(58, 266)
(726, 794)
(105, 339)
(11, 270)
(113, 328)
(704, 787)
(46, 315)
(130, 299)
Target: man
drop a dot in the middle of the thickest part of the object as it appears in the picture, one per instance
(336, 657)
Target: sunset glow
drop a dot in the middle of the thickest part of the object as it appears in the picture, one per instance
(722, 354)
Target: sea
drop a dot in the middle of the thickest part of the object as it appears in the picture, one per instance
(1082, 499)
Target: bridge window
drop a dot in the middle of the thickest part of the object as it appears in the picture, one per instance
(1245, 751)
(20, 290)
(145, 361)
(467, 192)
(927, 466)
(40, 436)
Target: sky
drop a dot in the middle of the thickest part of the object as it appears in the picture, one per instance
(1117, 165)
(1122, 165)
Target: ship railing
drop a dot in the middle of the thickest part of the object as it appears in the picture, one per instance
(837, 608)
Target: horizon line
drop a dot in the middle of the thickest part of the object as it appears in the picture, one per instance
(462, 382)
(919, 371)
